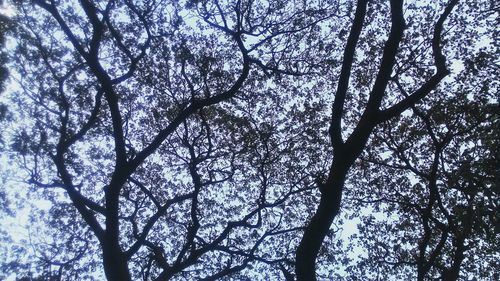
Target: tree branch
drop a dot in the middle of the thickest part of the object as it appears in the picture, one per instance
(441, 70)
(343, 84)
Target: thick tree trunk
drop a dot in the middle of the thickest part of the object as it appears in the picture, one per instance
(453, 273)
(318, 226)
(115, 263)
(114, 259)
(313, 237)
(331, 196)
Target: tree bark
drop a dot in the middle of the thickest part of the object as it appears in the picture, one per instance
(115, 262)
(314, 235)
(318, 226)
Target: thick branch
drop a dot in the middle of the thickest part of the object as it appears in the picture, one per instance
(343, 84)
(441, 70)
(389, 56)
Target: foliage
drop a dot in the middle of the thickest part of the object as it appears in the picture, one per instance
(195, 140)
(431, 179)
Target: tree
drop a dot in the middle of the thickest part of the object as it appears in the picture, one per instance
(118, 96)
(433, 175)
(5, 25)
(442, 202)
(193, 139)
(373, 113)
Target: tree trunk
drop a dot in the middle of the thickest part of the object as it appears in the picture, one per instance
(114, 259)
(331, 195)
(115, 263)
(317, 228)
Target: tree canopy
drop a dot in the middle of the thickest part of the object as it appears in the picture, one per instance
(236, 140)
